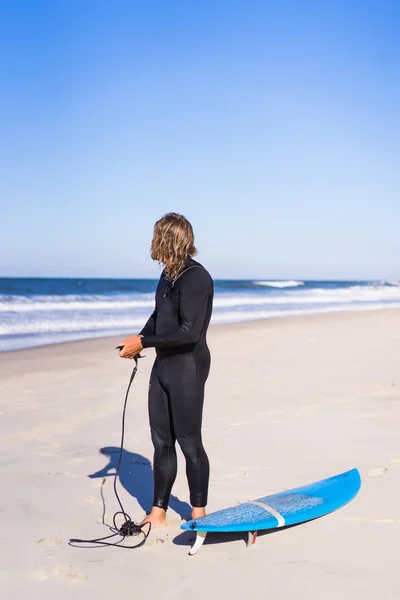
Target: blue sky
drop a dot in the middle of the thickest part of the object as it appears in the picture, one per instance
(273, 126)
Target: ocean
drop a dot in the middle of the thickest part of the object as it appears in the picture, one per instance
(35, 311)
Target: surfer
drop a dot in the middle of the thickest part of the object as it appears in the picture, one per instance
(177, 330)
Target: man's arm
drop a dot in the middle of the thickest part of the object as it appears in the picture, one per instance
(150, 327)
(193, 293)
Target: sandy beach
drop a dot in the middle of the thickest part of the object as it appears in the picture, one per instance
(288, 401)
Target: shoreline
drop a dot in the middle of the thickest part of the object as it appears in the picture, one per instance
(238, 325)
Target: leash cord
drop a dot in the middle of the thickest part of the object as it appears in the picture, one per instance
(129, 527)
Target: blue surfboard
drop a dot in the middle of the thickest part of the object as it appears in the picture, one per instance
(279, 510)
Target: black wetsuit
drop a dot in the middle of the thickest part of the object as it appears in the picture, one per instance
(177, 330)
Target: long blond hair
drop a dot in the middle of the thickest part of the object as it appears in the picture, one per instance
(173, 243)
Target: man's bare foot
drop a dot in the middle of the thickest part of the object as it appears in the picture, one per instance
(198, 512)
(157, 517)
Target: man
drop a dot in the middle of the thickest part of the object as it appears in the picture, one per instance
(177, 330)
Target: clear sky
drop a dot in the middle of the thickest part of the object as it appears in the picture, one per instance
(274, 126)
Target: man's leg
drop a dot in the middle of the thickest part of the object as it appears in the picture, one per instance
(165, 463)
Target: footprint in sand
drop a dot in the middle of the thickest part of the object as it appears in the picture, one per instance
(41, 575)
(390, 384)
(63, 571)
(377, 472)
(76, 576)
(76, 461)
(92, 500)
(50, 542)
(220, 457)
(159, 537)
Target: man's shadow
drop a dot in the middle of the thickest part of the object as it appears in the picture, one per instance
(136, 476)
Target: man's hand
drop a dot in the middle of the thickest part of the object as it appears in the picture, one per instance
(131, 346)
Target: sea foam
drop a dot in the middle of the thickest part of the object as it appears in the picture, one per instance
(29, 319)
(280, 284)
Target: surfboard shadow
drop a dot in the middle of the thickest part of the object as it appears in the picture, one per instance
(186, 538)
(136, 477)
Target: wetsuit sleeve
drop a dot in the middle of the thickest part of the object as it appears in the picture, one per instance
(150, 327)
(193, 294)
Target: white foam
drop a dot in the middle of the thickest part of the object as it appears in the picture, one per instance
(64, 318)
(280, 284)
(389, 291)
(316, 296)
(60, 326)
(239, 317)
(73, 303)
(29, 341)
(117, 323)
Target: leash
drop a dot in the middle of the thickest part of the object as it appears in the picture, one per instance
(128, 528)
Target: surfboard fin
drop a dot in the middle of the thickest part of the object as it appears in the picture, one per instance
(251, 538)
(200, 537)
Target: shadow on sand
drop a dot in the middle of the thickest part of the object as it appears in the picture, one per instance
(136, 477)
(186, 538)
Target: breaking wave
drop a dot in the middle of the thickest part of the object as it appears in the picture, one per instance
(32, 318)
(279, 284)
